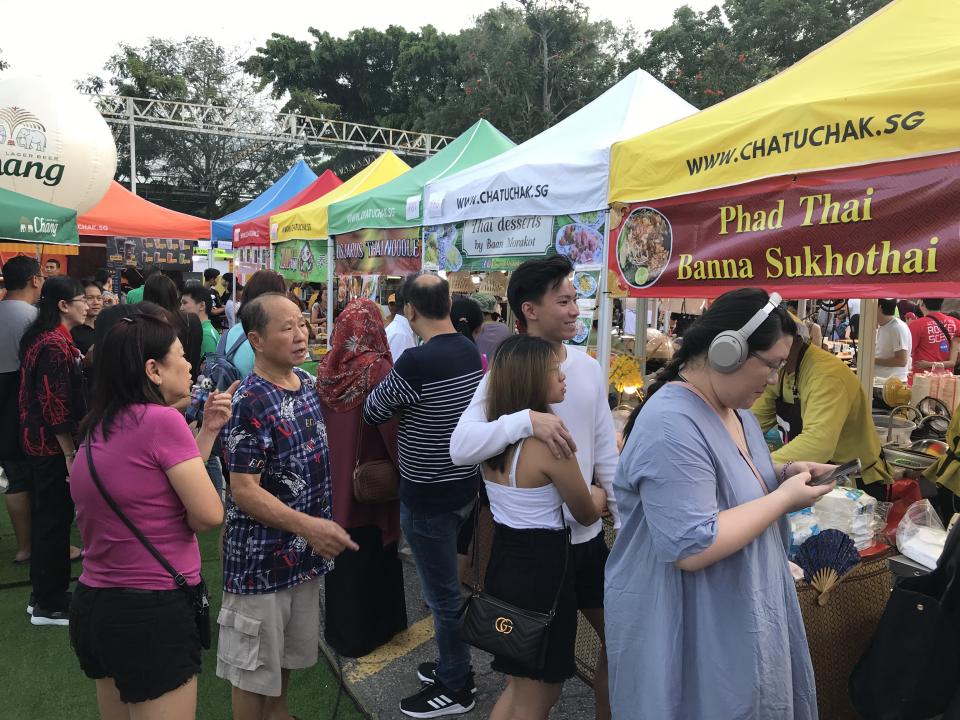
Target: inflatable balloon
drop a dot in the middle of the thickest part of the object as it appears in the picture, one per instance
(54, 145)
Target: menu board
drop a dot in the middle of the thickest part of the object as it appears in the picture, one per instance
(129, 252)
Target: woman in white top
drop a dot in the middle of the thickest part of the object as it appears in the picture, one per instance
(528, 487)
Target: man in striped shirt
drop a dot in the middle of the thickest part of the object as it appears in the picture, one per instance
(429, 387)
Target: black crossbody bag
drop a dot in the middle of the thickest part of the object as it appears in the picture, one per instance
(199, 598)
(504, 629)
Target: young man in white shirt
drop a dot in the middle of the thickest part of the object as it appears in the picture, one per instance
(894, 343)
(400, 335)
(544, 301)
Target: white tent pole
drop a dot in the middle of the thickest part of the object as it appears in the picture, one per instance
(867, 344)
(605, 322)
(331, 261)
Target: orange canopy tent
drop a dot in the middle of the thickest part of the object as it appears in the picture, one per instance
(123, 214)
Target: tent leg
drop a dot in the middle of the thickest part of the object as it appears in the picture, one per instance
(331, 260)
(605, 322)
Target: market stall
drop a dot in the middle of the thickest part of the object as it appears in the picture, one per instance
(836, 178)
(302, 233)
(251, 243)
(378, 233)
(126, 231)
(36, 228)
(546, 196)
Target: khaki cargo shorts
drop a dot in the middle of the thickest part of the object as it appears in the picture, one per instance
(260, 635)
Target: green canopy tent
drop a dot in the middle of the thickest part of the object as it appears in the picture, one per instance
(25, 219)
(397, 204)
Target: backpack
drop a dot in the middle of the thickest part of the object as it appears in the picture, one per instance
(217, 373)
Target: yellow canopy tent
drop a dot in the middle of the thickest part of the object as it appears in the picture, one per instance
(309, 222)
(839, 177)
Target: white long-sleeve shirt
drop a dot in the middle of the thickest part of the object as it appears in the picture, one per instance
(400, 336)
(585, 413)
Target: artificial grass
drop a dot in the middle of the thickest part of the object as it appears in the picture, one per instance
(43, 681)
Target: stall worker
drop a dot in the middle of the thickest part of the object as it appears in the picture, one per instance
(945, 472)
(823, 415)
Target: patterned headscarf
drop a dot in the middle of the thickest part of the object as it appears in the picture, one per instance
(359, 342)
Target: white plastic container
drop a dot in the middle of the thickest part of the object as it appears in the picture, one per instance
(901, 430)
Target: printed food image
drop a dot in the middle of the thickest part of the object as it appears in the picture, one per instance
(581, 243)
(453, 258)
(643, 247)
(585, 284)
(583, 330)
(431, 251)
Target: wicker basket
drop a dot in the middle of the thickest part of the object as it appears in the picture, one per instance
(838, 632)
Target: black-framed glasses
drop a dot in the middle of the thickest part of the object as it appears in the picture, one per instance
(773, 367)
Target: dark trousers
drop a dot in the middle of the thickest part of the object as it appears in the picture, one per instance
(51, 509)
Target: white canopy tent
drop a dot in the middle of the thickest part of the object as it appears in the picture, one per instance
(564, 169)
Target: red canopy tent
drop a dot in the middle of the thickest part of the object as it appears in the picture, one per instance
(123, 214)
(256, 232)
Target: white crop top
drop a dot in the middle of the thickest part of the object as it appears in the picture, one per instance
(524, 508)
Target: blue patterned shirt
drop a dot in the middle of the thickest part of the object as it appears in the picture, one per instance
(280, 435)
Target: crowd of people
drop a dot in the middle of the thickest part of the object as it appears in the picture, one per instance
(460, 412)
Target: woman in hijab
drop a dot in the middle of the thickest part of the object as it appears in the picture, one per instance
(365, 604)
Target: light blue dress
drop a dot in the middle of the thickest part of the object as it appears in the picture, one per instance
(724, 643)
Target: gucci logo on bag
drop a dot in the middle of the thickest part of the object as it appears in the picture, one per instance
(503, 625)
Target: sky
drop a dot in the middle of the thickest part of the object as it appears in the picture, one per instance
(73, 39)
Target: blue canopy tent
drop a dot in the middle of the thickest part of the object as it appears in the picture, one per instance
(293, 181)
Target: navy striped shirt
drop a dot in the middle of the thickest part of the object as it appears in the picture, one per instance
(429, 388)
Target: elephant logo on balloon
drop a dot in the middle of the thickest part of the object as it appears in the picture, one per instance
(22, 128)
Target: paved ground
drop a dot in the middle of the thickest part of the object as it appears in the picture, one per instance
(378, 681)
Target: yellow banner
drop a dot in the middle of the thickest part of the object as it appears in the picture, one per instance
(310, 221)
(887, 89)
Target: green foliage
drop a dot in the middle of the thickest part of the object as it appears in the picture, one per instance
(708, 56)
(199, 173)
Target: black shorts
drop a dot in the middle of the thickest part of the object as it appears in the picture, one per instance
(146, 640)
(589, 560)
(526, 570)
(18, 476)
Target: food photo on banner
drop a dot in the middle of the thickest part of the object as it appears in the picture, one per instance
(502, 244)
(846, 232)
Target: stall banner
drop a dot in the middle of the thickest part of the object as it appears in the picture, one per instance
(249, 259)
(883, 230)
(380, 251)
(301, 260)
(135, 252)
(504, 243)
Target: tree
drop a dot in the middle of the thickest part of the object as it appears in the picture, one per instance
(199, 173)
(706, 57)
(3, 65)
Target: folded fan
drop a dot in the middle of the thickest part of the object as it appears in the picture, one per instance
(825, 558)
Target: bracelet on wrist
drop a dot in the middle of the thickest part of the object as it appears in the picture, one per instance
(783, 472)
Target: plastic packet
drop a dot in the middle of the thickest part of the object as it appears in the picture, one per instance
(880, 524)
(803, 525)
(920, 535)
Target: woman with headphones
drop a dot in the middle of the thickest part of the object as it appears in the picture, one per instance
(701, 610)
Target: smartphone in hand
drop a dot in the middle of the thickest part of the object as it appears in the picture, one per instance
(839, 472)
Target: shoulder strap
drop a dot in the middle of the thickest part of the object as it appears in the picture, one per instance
(943, 328)
(178, 578)
(512, 478)
(236, 346)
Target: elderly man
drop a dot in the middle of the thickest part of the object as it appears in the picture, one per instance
(492, 332)
(279, 537)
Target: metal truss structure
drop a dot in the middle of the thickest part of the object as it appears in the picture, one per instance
(259, 127)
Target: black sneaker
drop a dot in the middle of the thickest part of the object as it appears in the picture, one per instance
(435, 700)
(49, 617)
(427, 675)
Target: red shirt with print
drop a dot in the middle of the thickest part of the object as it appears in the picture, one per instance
(929, 342)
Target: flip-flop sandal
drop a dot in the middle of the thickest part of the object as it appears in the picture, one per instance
(25, 561)
(78, 558)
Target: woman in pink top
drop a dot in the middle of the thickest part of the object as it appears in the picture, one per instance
(132, 629)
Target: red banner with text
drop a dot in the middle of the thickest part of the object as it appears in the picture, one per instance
(883, 230)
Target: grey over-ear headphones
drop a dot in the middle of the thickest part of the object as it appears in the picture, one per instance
(730, 350)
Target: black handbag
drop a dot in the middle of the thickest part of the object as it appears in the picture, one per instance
(501, 628)
(198, 595)
(911, 668)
